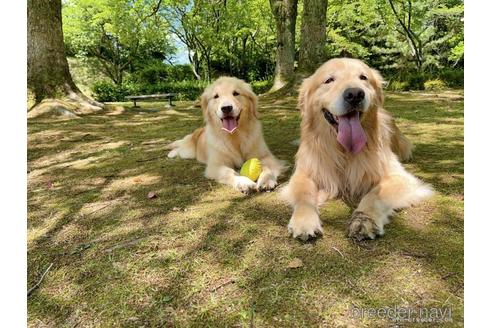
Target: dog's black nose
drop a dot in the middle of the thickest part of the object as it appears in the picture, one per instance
(226, 109)
(353, 96)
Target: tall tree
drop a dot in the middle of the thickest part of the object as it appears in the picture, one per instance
(313, 35)
(50, 85)
(285, 13)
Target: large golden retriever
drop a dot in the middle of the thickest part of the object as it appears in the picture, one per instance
(346, 151)
(232, 135)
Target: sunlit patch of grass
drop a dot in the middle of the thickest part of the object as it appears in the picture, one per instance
(201, 254)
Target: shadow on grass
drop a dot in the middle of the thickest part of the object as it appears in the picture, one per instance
(201, 254)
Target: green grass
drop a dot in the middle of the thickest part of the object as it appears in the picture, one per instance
(201, 254)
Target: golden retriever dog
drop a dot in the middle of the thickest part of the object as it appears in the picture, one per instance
(232, 135)
(347, 150)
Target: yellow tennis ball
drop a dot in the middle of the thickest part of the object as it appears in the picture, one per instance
(251, 169)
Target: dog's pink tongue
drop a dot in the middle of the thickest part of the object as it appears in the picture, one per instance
(229, 124)
(350, 133)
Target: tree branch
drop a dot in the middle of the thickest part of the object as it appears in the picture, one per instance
(33, 288)
(410, 35)
(153, 13)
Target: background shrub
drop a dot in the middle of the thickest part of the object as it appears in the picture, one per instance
(412, 80)
(260, 87)
(185, 90)
(160, 72)
(416, 80)
(151, 74)
(398, 86)
(163, 78)
(433, 85)
(454, 78)
(108, 91)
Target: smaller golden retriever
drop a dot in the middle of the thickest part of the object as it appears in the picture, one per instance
(346, 151)
(232, 135)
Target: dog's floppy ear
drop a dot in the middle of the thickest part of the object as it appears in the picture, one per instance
(253, 99)
(303, 95)
(378, 84)
(204, 102)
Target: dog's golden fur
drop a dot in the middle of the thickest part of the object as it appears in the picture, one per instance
(223, 152)
(374, 177)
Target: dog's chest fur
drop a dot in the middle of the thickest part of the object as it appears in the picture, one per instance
(345, 176)
(238, 147)
(339, 173)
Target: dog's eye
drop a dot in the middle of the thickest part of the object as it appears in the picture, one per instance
(216, 96)
(363, 77)
(329, 80)
(235, 93)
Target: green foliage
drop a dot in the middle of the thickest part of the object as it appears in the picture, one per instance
(434, 85)
(371, 30)
(107, 91)
(457, 52)
(414, 80)
(185, 90)
(85, 73)
(454, 78)
(132, 41)
(225, 38)
(398, 86)
(260, 87)
(152, 73)
(122, 35)
(404, 81)
(160, 72)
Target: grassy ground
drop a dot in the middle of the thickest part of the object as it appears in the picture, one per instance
(201, 254)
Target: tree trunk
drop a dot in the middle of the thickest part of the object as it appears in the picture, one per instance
(313, 36)
(50, 85)
(208, 72)
(193, 58)
(285, 13)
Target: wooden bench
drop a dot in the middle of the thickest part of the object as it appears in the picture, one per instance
(168, 96)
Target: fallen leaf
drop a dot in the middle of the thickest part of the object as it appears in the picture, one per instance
(151, 195)
(295, 263)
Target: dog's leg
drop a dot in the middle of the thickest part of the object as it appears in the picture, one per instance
(302, 193)
(398, 190)
(186, 147)
(229, 176)
(271, 169)
(400, 144)
(183, 148)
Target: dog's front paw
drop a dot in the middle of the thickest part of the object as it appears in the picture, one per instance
(173, 153)
(266, 182)
(361, 226)
(244, 184)
(305, 223)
